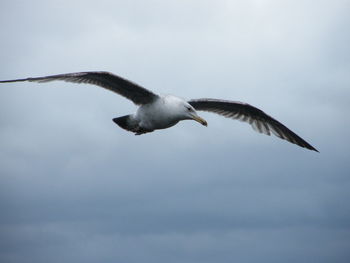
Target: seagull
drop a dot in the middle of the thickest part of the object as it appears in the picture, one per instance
(157, 112)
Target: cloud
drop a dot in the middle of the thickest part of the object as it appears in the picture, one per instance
(76, 188)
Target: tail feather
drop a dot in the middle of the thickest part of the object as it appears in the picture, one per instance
(127, 122)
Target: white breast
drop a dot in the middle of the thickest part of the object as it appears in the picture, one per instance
(163, 113)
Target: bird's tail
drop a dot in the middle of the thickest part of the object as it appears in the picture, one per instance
(127, 122)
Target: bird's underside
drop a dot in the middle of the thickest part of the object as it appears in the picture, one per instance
(160, 112)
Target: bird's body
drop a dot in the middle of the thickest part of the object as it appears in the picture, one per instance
(164, 112)
(160, 112)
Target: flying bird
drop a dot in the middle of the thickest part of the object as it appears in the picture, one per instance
(163, 111)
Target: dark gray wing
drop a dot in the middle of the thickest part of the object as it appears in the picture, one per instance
(259, 120)
(123, 87)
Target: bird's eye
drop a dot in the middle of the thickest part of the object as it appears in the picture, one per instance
(189, 108)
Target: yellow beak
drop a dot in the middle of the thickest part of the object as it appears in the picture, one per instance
(200, 120)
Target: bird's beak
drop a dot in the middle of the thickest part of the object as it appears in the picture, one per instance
(200, 120)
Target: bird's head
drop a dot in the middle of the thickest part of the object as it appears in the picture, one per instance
(180, 109)
(191, 114)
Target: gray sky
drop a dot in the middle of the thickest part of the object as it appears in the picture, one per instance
(74, 187)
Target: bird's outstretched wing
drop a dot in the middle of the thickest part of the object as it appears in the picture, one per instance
(259, 120)
(123, 87)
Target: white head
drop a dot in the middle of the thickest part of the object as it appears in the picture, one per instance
(184, 110)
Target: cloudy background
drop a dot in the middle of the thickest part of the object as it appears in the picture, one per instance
(74, 187)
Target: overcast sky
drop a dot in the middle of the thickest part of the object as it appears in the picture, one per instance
(74, 187)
